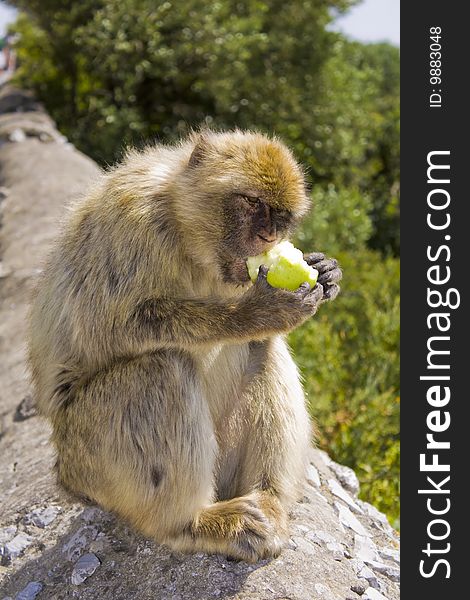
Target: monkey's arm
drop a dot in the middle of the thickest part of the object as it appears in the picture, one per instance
(329, 273)
(262, 311)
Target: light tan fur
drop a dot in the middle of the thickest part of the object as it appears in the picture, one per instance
(172, 394)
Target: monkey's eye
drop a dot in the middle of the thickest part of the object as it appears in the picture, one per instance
(251, 200)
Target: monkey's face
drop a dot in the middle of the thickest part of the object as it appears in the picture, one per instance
(247, 194)
(251, 226)
(264, 203)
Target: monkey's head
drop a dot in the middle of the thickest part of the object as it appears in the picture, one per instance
(244, 192)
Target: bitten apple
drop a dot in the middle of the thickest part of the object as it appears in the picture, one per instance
(287, 268)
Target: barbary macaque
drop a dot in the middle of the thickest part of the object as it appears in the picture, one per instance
(172, 394)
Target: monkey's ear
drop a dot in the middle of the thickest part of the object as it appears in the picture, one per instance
(200, 150)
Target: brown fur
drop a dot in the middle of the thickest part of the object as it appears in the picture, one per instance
(173, 397)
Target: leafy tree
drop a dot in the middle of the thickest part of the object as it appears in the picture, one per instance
(144, 68)
(357, 131)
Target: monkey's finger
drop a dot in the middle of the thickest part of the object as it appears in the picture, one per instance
(313, 257)
(262, 274)
(326, 265)
(331, 291)
(314, 297)
(332, 276)
(303, 289)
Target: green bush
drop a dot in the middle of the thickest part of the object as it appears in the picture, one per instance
(349, 357)
(339, 220)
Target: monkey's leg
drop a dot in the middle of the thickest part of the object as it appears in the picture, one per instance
(274, 451)
(138, 439)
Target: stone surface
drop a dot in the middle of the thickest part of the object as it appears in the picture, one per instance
(25, 409)
(349, 520)
(365, 549)
(42, 517)
(338, 490)
(75, 547)
(30, 591)
(85, 566)
(390, 554)
(373, 594)
(346, 477)
(312, 476)
(38, 176)
(7, 533)
(16, 546)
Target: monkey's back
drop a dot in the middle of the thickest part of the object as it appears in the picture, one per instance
(113, 253)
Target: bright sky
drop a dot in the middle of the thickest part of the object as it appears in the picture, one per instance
(370, 21)
(7, 15)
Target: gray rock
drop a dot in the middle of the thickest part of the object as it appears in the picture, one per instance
(321, 536)
(7, 533)
(325, 539)
(370, 577)
(356, 564)
(313, 476)
(347, 519)
(337, 550)
(41, 517)
(320, 497)
(358, 588)
(85, 566)
(390, 554)
(324, 592)
(17, 135)
(89, 515)
(17, 545)
(4, 271)
(392, 573)
(373, 594)
(346, 477)
(364, 548)
(25, 409)
(304, 546)
(379, 519)
(30, 591)
(75, 547)
(341, 493)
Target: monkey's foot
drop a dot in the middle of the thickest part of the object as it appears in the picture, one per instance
(238, 528)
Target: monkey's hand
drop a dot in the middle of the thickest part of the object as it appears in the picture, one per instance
(281, 310)
(329, 273)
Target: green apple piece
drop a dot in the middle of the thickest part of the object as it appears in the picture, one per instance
(287, 268)
(288, 275)
(253, 264)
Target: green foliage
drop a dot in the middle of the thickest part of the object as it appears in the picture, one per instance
(119, 72)
(349, 357)
(358, 134)
(137, 68)
(339, 220)
(349, 353)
